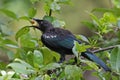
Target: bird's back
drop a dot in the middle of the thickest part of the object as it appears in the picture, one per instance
(59, 40)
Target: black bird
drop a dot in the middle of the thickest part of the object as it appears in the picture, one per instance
(62, 41)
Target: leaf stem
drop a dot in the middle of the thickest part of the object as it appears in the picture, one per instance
(50, 12)
(104, 49)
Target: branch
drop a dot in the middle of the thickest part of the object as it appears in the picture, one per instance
(104, 49)
(50, 12)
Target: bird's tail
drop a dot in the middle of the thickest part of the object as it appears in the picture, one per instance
(93, 57)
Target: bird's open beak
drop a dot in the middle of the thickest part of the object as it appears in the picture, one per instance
(34, 23)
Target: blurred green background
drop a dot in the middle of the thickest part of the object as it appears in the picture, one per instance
(72, 14)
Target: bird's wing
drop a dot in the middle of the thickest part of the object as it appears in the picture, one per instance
(66, 42)
(59, 39)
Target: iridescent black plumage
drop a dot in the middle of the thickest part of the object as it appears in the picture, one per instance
(62, 41)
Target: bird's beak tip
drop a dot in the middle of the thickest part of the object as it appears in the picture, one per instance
(34, 22)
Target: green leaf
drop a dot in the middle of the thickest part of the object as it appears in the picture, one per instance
(116, 3)
(27, 41)
(2, 65)
(116, 11)
(21, 67)
(21, 53)
(115, 78)
(58, 23)
(51, 66)
(30, 58)
(93, 42)
(115, 59)
(9, 13)
(47, 77)
(108, 18)
(88, 24)
(55, 6)
(118, 23)
(56, 56)
(10, 55)
(102, 10)
(47, 8)
(39, 78)
(37, 58)
(10, 43)
(95, 19)
(83, 38)
(32, 12)
(65, 1)
(54, 21)
(5, 30)
(21, 32)
(78, 48)
(7, 75)
(91, 64)
(75, 52)
(33, 1)
(48, 18)
(18, 67)
(73, 72)
(24, 18)
(24, 63)
(48, 57)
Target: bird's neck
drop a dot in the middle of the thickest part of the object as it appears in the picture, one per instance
(47, 29)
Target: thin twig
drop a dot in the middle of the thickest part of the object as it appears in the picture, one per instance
(104, 49)
(50, 12)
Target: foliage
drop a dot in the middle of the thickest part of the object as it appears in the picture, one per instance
(31, 60)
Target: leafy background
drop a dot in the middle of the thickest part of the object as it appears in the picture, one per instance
(23, 56)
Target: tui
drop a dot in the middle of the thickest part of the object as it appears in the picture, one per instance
(62, 41)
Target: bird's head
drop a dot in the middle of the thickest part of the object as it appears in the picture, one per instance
(42, 25)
